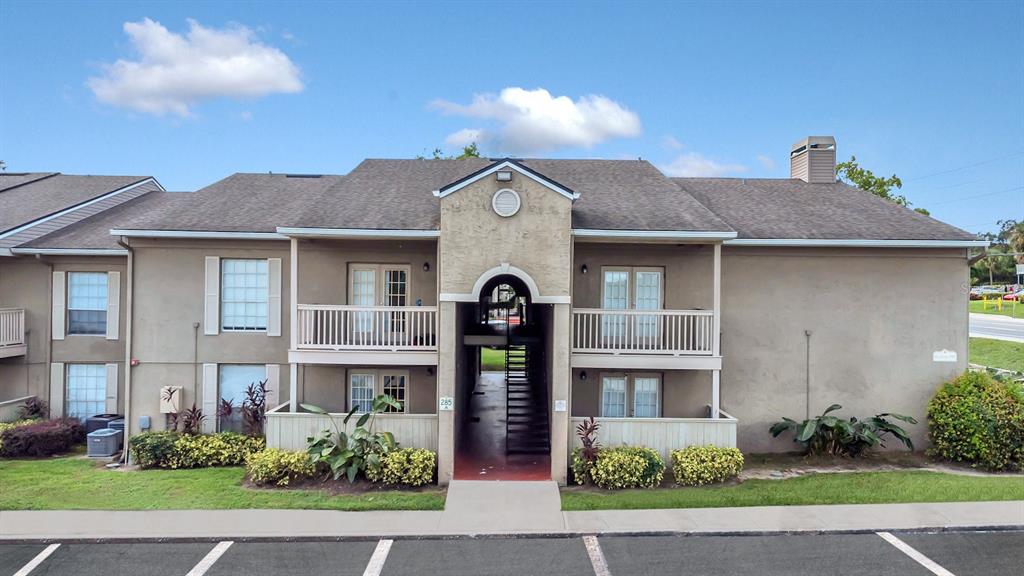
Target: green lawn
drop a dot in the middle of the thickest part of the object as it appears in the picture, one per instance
(75, 483)
(835, 488)
(492, 359)
(1009, 308)
(997, 353)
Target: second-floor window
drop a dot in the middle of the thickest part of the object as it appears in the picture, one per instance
(244, 294)
(87, 303)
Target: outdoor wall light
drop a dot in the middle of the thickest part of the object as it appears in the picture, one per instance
(583, 269)
(583, 375)
(430, 370)
(426, 266)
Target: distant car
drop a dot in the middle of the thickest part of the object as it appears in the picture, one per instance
(979, 292)
(1018, 295)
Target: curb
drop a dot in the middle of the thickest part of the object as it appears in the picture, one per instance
(519, 535)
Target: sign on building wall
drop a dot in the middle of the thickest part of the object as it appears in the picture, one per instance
(944, 356)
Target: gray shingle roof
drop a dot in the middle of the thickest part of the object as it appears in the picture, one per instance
(790, 208)
(25, 199)
(94, 231)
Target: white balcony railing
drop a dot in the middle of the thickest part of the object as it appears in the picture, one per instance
(12, 330)
(330, 327)
(670, 332)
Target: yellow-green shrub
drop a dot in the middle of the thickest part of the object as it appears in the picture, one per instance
(699, 465)
(222, 449)
(628, 467)
(407, 466)
(978, 420)
(275, 466)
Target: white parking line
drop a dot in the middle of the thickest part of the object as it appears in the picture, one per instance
(380, 555)
(27, 568)
(596, 556)
(211, 557)
(913, 553)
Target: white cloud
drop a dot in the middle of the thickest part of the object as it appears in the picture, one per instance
(692, 164)
(536, 121)
(672, 143)
(173, 72)
(766, 162)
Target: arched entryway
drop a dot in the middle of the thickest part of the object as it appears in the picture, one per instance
(504, 432)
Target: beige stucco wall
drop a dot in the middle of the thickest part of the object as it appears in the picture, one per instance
(536, 240)
(688, 271)
(168, 339)
(875, 317)
(26, 283)
(327, 386)
(324, 267)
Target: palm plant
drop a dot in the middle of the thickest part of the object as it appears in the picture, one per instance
(828, 434)
(362, 449)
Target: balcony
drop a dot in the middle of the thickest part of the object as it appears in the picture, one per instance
(343, 334)
(12, 332)
(646, 339)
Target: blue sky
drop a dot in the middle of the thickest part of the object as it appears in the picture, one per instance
(933, 92)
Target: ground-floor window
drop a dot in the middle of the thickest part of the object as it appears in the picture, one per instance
(234, 379)
(364, 385)
(86, 390)
(630, 395)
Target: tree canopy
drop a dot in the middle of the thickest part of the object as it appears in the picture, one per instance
(852, 173)
(469, 151)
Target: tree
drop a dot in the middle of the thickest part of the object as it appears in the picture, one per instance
(3, 166)
(1015, 238)
(469, 151)
(851, 173)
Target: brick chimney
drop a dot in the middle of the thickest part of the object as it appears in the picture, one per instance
(813, 160)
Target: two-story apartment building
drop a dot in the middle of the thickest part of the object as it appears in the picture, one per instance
(677, 311)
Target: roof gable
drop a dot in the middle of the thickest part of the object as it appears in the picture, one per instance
(506, 164)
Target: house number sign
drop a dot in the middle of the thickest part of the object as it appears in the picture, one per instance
(446, 403)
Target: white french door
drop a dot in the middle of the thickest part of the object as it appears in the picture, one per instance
(636, 289)
(379, 285)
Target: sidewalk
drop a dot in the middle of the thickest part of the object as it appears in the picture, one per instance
(502, 508)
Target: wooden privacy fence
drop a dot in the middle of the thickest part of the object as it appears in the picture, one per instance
(289, 430)
(662, 434)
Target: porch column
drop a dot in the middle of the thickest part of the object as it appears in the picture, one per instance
(293, 325)
(446, 347)
(716, 342)
(560, 376)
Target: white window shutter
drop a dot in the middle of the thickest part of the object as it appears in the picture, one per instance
(111, 403)
(56, 390)
(113, 305)
(211, 308)
(59, 299)
(273, 385)
(274, 297)
(210, 398)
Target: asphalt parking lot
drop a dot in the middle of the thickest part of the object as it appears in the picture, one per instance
(958, 553)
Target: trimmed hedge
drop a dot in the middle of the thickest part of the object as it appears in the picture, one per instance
(620, 467)
(406, 466)
(700, 465)
(280, 467)
(8, 425)
(978, 420)
(173, 450)
(41, 438)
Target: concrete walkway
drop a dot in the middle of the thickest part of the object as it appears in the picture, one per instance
(502, 508)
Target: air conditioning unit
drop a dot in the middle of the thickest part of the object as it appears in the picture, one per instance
(170, 399)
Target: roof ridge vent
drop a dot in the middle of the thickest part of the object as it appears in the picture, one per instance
(303, 175)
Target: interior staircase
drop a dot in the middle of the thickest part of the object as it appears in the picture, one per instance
(526, 423)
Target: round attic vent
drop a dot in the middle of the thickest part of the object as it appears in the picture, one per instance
(506, 202)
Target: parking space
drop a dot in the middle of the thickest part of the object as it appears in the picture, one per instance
(960, 554)
(790, 555)
(489, 557)
(972, 553)
(308, 558)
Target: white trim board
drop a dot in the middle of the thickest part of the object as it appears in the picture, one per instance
(587, 233)
(506, 165)
(856, 243)
(71, 251)
(79, 206)
(294, 232)
(197, 234)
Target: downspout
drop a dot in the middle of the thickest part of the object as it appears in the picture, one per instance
(807, 368)
(49, 338)
(129, 314)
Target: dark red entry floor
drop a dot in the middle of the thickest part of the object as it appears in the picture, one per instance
(481, 448)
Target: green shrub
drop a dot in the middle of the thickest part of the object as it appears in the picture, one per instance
(582, 469)
(407, 466)
(153, 449)
(280, 467)
(221, 449)
(628, 467)
(4, 426)
(41, 438)
(699, 465)
(978, 420)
